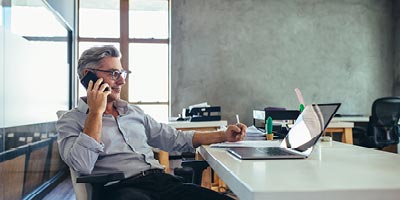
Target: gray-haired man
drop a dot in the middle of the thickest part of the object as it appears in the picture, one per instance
(106, 134)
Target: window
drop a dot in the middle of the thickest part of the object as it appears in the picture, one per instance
(35, 53)
(140, 29)
(1, 15)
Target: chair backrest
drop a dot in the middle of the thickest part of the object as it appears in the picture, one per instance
(383, 125)
(83, 191)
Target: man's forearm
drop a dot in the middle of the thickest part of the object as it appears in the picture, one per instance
(204, 138)
(93, 126)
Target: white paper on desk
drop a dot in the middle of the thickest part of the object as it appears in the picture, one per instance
(248, 143)
(252, 131)
(199, 105)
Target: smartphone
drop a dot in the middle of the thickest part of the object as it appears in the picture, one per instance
(90, 76)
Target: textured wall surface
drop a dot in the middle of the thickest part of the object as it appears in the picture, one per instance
(396, 83)
(245, 55)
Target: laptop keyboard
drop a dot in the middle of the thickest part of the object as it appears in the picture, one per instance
(275, 151)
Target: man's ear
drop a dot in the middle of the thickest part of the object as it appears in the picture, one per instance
(85, 72)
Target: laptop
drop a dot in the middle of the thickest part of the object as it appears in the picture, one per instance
(299, 142)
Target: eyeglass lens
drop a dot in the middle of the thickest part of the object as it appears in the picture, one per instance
(116, 74)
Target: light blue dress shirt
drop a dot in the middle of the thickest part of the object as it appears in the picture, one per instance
(126, 141)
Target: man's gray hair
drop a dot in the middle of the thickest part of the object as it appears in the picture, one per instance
(91, 58)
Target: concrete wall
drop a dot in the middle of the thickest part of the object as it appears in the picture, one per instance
(396, 14)
(245, 55)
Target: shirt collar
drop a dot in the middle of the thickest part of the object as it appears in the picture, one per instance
(121, 105)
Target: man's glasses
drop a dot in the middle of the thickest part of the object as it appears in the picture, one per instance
(115, 74)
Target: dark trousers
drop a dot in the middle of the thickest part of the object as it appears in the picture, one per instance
(159, 187)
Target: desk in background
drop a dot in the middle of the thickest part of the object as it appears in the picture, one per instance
(344, 128)
(344, 125)
(199, 126)
(333, 171)
(353, 119)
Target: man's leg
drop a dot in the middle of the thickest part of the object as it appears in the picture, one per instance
(161, 187)
(193, 192)
(144, 188)
(127, 193)
(172, 188)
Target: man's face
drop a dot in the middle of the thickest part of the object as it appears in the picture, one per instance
(115, 83)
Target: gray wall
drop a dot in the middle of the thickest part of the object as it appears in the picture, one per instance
(396, 12)
(245, 55)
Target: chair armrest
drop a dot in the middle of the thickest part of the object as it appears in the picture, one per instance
(360, 129)
(197, 165)
(100, 178)
(197, 168)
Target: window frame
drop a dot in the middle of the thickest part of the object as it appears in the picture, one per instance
(124, 42)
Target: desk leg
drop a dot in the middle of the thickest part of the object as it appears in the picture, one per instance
(206, 176)
(347, 136)
(163, 158)
(391, 148)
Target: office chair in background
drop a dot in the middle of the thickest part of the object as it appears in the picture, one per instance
(383, 128)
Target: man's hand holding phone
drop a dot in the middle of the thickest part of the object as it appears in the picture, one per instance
(97, 96)
(97, 101)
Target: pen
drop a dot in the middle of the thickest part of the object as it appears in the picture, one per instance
(238, 125)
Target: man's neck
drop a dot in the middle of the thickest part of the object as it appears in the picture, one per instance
(110, 109)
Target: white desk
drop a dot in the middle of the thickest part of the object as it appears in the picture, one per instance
(334, 171)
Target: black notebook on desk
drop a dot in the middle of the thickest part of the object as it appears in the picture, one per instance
(300, 140)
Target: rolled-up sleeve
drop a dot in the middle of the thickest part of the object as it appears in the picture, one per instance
(79, 151)
(167, 138)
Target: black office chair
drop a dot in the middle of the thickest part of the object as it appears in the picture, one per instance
(93, 184)
(191, 172)
(383, 129)
(191, 169)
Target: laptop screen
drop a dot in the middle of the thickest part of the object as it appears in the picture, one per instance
(309, 126)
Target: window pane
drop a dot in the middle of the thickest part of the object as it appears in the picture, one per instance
(148, 19)
(1, 17)
(99, 18)
(30, 63)
(24, 20)
(86, 45)
(158, 112)
(149, 79)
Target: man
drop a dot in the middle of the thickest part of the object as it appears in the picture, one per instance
(105, 134)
